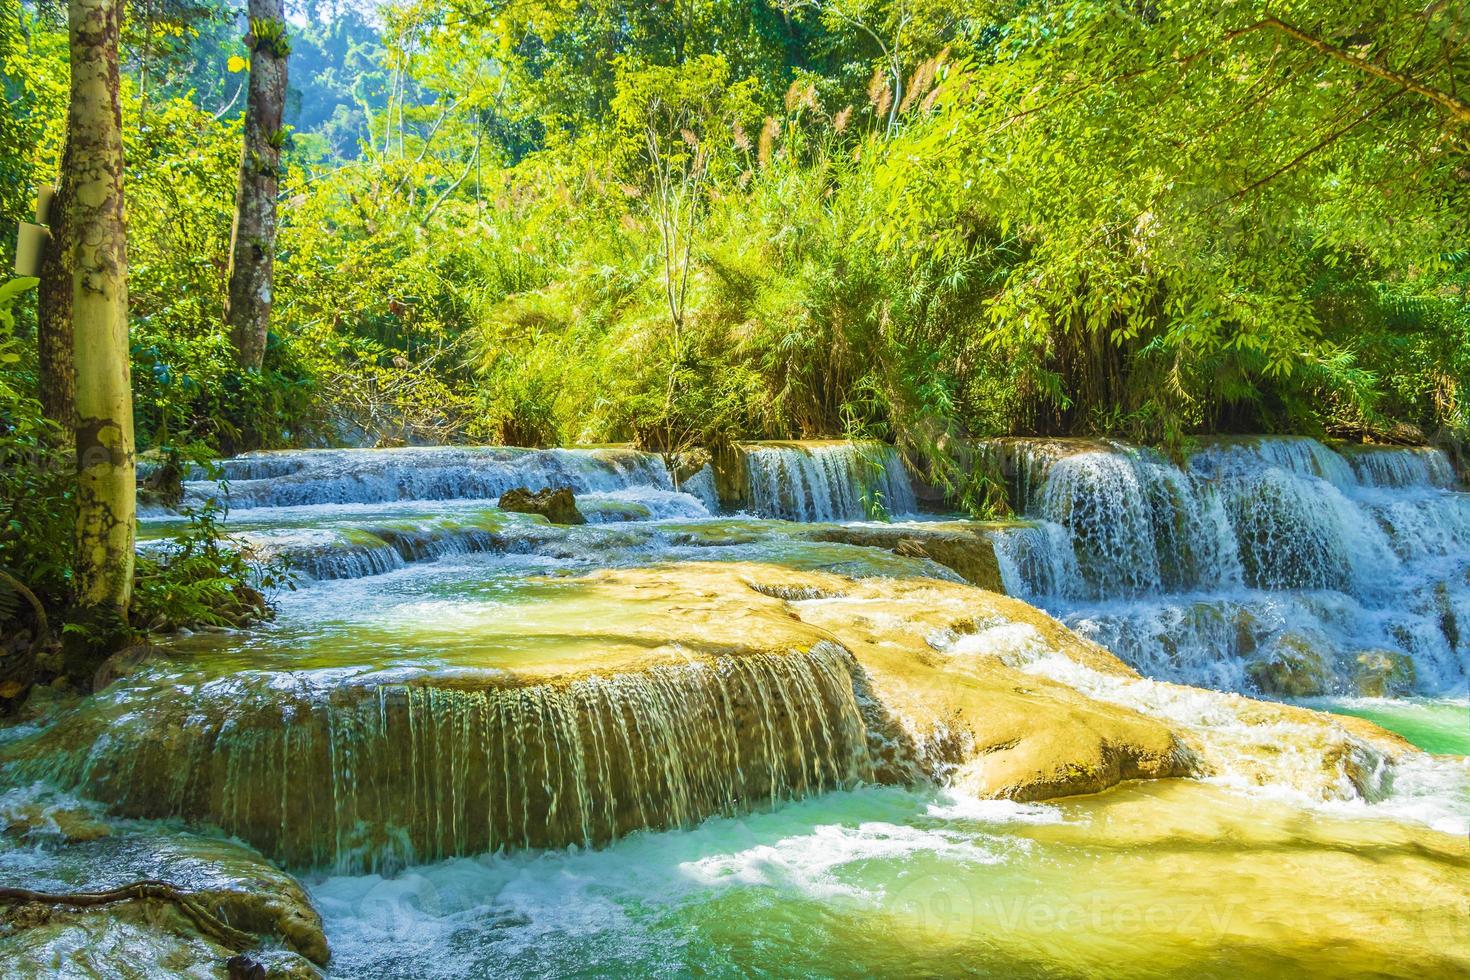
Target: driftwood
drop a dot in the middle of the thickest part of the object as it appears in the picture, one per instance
(206, 921)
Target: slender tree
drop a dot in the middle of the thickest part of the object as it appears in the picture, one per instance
(253, 239)
(99, 310)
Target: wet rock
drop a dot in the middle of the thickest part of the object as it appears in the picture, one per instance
(270, 964)
(123, 663)
(558, 505)
(126, 940)
(1294, 668)
(961, 546)
(1383, 673)
(39, 820)
(732, 482)
(74, 848)
(943, 658)
(161, 481)
(135, 940)
(685, 464)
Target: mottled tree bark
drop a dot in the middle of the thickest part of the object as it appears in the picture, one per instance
(53, 328)
(253, 238)
(99, 310)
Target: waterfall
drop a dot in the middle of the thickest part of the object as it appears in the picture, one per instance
(351, 513)
(702, 487)
(340, 476)
(795, 481)
(1136, 525)
(1274, 565)
(320, 772)
(837, 481)
(1401, 467)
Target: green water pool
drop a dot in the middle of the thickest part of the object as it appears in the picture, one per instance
(1439, 725)
(1150, 880)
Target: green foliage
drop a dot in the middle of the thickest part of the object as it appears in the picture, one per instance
(36, 473)
(11, 293)
(919, 222)
(174, 49)
(36, 485)
(33, 83)
(338, 80)
(200, 577)
(267, 34)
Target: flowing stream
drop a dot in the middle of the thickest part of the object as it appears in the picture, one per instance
(490, 748)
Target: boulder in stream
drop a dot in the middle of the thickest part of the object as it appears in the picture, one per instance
(1383, 674)
(556, 504)
(1294, 668)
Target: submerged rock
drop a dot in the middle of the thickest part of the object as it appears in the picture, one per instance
(1383, 674)
(557, 505)
(614, 511)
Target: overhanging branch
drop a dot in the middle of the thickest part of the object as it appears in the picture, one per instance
(1458, 108)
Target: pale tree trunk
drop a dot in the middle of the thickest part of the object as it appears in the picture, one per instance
(53, 328)
(253, 238)
(99, 311)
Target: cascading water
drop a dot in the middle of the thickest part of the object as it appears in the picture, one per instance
(1277, 565)
(340, 476)
(370, 775)
(350, 737)
(350, 513)
(840, 481)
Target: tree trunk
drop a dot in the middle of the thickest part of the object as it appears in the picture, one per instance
(253, 238)
(53, 327)
(99, 309)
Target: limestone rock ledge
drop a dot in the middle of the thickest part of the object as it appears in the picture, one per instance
(1002, 700)
(672, 693)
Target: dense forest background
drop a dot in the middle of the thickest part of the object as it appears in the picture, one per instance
(683, 222)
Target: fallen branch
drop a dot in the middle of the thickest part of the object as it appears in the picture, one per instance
(206, 921)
